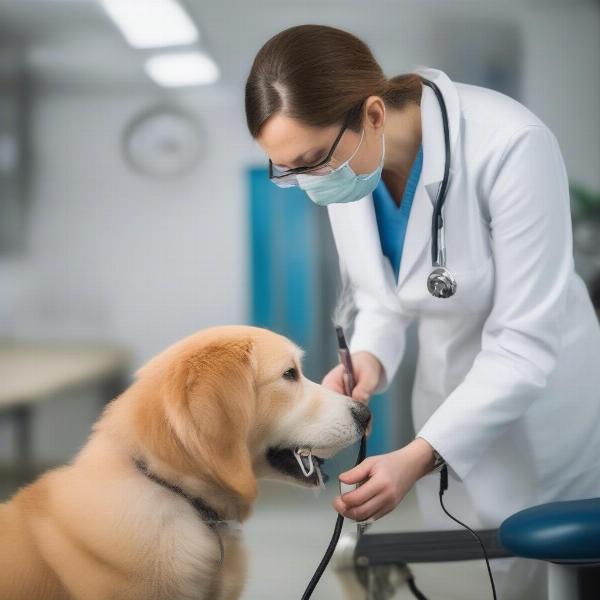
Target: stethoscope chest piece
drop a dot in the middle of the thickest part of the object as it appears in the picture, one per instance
(441, 283)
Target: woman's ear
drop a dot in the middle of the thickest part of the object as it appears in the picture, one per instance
(374, 113)
(213, 412)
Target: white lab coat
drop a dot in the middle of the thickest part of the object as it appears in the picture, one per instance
(507, 385)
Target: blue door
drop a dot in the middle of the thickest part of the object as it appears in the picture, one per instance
(294, 278)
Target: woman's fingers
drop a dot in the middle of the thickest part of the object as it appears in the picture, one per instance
(371, 498)
(362, 494)
(376, 505)
(390, 476)
(380, 503)
(367, 372)
(378, 499)
(381, 513)
(334, 380)
(361, 393)
(338, 504)
(358, 473)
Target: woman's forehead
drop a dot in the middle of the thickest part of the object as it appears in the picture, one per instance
(288, 141)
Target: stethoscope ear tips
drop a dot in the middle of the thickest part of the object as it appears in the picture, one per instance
(441, 283)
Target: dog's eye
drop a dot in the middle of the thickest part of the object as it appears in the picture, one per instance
(291, 374)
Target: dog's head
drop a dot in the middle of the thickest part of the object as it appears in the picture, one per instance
(234, 404)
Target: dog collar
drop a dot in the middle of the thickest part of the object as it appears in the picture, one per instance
(207, 514)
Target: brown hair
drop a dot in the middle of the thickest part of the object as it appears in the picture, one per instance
(318, 75)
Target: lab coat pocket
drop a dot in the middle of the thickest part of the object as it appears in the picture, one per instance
(475, 287)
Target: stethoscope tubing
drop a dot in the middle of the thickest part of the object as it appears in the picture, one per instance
(437, 220)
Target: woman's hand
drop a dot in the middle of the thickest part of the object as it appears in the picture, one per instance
(367, 372)
(387, 477)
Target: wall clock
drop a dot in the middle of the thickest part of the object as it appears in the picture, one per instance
(163, 142)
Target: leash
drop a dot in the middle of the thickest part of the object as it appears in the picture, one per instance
(362, 452)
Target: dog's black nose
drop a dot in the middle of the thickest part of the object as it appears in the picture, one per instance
(361, 414)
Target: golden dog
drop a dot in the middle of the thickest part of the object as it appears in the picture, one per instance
(147, 509)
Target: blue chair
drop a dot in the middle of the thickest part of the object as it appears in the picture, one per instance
(567, 536)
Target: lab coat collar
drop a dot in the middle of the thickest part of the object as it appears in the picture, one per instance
(356, 234)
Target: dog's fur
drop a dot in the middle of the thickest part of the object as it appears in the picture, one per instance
(202, 415)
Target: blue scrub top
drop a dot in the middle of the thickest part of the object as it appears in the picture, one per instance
(392, 220)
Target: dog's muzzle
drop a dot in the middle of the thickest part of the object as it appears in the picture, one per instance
(362, 416)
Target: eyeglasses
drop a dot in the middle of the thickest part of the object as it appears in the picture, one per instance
(287, 177)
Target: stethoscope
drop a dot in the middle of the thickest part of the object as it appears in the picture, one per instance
(440, 283)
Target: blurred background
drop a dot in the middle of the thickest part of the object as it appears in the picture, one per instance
(135, 207)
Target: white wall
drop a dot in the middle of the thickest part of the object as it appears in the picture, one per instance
(117, 255)
(562, 82)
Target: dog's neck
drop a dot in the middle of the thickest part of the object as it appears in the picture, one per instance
(187, 478)
(199, 491)
(206, 513)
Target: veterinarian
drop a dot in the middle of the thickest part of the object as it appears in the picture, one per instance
(508, 379)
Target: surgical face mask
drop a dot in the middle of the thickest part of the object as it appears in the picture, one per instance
(342, 184)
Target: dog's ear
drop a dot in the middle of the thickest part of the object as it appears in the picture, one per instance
(213, 411)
